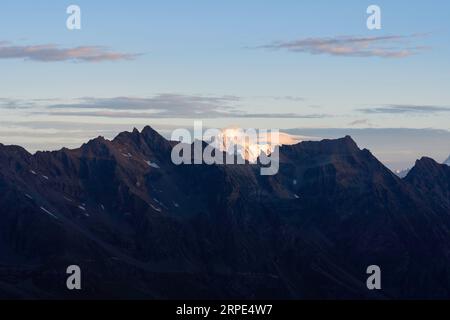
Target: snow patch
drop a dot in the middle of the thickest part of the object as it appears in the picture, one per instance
(156, 208)
(49, 213)
(82, 208)
(160, 203)
(153, 165)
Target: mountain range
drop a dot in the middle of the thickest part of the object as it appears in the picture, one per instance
(141, 227)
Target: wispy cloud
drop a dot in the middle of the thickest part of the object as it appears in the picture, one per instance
(23, 104)
(167, 102)
(360, 122)
(208, 115)
(52, 53)
(391, 46)
(405, 109)
(288, 98)
(6, 103)
(164, 106)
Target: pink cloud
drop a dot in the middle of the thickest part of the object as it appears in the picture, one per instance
(50, 53)
(393, 46)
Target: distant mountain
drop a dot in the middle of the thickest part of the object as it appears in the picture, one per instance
(141, 227)
(402, 173)
(447, 162)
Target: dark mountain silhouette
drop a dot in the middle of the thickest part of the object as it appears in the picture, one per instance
(141, 227)
(432, 180)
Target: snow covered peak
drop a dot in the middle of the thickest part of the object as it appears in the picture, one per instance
(250, 144)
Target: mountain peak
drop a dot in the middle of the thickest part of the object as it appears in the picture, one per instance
(426, 162)
(342, 145)
(13, 149)
(348, 140)
(149, 131)
(426, 167)
(96, 141)
(431, 180)
(98, 146)
(152, 137)
(127, 136)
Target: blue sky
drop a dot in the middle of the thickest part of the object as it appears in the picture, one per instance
(248, 63)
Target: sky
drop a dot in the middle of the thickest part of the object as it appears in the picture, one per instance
(262, 64)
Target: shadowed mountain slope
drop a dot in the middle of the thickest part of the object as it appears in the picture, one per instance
(141, 227)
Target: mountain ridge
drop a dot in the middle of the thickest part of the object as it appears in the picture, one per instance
(127, 215)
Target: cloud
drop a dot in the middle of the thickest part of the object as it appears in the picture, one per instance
(392, 46)
(405, 109)
(165, 103)
(164, 106)
(206, 115)
(13, 104)
(360, 122)
(52, 53)
(23, 104)
(289, 98)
